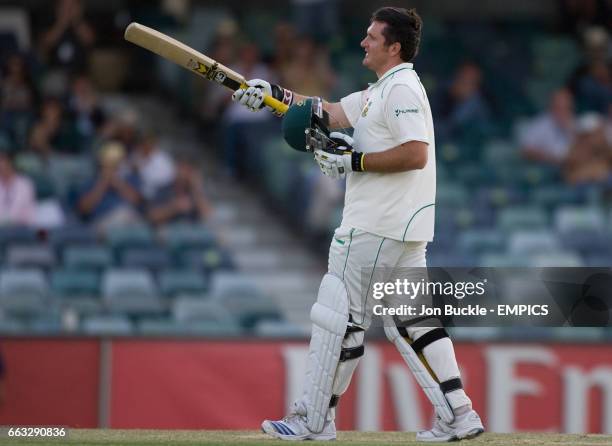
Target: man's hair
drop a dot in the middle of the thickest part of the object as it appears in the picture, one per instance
(403, 26)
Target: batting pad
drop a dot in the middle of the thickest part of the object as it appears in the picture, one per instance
(421, 374)
(329, 316)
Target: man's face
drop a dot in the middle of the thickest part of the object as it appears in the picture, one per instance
(377, 53)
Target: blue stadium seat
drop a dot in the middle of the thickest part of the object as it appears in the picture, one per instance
(131, 236)
(37, 256)
(533, 242)
(77, 289)
(189, 309)
(171, 328)
(209, 259)
(87, 257)
(12, 327)
(131, 291)
(182, 282)
(23, 291)
(477, 241)
(191, 236)
(107, 326)
(559, 258)
(152, 258)
(579, 218)
(280, 330)
(522, 217)
(227, 284)
(71, 235)
(16, 234)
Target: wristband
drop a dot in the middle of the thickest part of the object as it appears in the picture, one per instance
(357, 161)
(283, 95)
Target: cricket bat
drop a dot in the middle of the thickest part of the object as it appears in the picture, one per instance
(185, 56)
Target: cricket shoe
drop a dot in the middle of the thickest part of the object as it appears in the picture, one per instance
(464, 427)
(293, 428)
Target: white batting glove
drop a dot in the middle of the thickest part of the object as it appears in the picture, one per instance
(253, 96)
(342, 160)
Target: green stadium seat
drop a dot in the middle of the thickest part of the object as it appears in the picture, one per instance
(171, 328)
(522, 217)
(579, 218)
(23, 291)
(132, 236)
(151, 258)
(182, 282)
(190, 309)
(187, 236)
(71, 283)
(131, 291)
(37, 256)
(556, 259)
(107, 326)
(529, 242)
(87, 257)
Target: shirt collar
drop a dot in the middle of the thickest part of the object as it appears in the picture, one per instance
(392, 70)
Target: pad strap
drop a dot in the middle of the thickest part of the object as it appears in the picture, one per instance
(351, 353)
(451, 385)
(428, 338)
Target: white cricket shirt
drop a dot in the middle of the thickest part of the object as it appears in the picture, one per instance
(390, 112)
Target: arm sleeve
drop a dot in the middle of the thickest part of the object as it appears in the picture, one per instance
(406, 115)
(352, 105)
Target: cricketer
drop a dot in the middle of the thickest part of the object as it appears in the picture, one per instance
(388, 219)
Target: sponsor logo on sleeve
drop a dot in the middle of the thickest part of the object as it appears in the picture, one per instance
(401, 111)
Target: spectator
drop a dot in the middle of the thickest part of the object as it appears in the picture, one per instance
(17, 201)
(183, 200)
(18, 93)
(17, 99)
(309, 71)
(85, 109)
(52, 134)
(594, 88)
(547, 138)
(153, 165)
(462, 107)
(65, 43)
(112, 197)
(590, 157)
(240, 126)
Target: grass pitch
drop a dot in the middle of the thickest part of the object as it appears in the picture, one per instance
(116, 437)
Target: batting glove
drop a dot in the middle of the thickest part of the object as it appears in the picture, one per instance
(338, 161)
(252, 97)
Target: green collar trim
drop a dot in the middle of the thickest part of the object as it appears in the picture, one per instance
(392, 71)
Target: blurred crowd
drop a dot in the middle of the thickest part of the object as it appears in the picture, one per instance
(51, 111)
(68, 155)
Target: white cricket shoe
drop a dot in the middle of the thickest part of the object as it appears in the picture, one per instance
(293, 428)
(464, 427)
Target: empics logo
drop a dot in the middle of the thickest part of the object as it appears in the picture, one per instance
(399, 111)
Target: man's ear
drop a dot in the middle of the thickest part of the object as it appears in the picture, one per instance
(395, 48)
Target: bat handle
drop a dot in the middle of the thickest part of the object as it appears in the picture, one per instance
(271, 102)
(276, 104)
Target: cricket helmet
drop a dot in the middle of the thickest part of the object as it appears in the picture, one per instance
(305, 125)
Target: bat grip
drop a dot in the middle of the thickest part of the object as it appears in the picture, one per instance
(271, 102)
(276, 104)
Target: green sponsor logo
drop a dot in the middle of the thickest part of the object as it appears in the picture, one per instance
(399, 111)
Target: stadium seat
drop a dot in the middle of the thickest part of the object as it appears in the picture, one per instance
(107, 326)
(189, 309)
(11, 327)
(23, 291)
(574, 218)
(182, 236)
(250, 310)
(131, 236)
(37, 256)
(87, 257)
(131, 291)
(166, 327)
(557, 259)
(46, 324)
(16, 234)
(522, 217)
(183, 282)
(533, 242)
(226, 284)
(209, 259)
(477, 241)
(77, 289)
(71, 235)
(280, 329)
(150, 258)
(502, 260)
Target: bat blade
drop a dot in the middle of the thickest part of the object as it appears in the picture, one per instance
(185, 56)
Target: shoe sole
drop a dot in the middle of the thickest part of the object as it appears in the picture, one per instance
(470, 434)
(280, 436)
